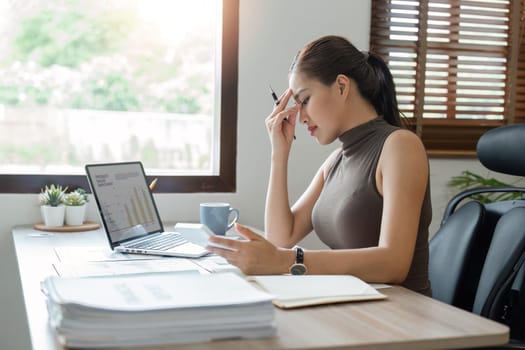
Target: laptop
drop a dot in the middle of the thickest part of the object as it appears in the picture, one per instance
(129, 213)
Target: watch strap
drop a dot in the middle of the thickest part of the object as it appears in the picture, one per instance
(298, 267)
(299, 255)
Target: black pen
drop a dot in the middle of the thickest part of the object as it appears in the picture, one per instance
(274, 96)
(276, 100)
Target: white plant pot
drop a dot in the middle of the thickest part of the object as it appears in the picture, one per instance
(53, 216)
(75, 215)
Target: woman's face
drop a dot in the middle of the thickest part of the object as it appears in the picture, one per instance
(320, 107)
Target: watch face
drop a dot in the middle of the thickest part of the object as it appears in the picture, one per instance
(298, 269)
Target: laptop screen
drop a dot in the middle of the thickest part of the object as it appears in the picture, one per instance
(124, 200)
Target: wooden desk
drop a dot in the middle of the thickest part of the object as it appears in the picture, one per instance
(405, 320)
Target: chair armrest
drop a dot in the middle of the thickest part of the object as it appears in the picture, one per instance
(453, 203)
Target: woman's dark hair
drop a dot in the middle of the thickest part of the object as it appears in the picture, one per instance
(329, 56)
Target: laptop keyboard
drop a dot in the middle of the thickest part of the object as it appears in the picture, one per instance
(161, 242)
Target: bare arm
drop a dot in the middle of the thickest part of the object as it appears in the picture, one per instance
(280, 125)
(288, 229)
(285, 226)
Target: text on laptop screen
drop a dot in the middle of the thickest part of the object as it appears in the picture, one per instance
(125, 200)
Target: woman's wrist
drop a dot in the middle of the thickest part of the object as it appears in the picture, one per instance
(286, 259)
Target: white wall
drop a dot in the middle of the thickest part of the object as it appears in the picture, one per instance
(271, 32)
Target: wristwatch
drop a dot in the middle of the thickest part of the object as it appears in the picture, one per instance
(298, 268)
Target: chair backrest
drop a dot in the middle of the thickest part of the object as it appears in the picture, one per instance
(456, 256)
(504, 258)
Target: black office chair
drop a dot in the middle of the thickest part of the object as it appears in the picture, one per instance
(476, 257)
(456, 260)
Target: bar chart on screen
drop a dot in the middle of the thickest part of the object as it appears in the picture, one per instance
(126, 203)
(138, 208)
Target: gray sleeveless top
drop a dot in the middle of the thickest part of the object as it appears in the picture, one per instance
(348, 212)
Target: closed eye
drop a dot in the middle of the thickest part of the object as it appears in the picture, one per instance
(305, 101)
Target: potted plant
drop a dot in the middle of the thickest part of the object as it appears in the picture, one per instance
(75, 202)
(51, 205)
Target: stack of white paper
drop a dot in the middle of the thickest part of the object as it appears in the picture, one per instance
(156, 309)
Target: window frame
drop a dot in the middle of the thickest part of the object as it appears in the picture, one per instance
(225, 181)
(450, 136)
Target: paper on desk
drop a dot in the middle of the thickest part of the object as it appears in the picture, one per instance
(108, 268)
(216, 264)
(158, 291)
(156, 309)
(298, 291)
(97, 253)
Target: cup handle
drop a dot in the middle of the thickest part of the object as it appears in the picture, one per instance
(235, 218)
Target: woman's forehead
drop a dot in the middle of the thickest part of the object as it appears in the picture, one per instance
(295, 78)
(298, 82)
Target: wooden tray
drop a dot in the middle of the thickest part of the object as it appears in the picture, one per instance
(86, 226)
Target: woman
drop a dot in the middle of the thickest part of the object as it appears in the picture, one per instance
(369, 201)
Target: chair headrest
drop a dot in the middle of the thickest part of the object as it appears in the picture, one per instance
(503, 149)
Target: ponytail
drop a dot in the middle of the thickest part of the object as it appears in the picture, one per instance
(384, 100)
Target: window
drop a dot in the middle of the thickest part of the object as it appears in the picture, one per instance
(459, 66)
(105, 81)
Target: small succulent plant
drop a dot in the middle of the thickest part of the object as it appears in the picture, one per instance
(76, 198)
(52, 195)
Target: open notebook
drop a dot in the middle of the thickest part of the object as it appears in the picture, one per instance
(299, 291)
